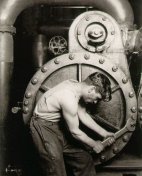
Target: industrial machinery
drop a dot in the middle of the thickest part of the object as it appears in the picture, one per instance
(86, 36)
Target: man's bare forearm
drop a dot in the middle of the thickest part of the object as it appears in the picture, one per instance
(81, 136)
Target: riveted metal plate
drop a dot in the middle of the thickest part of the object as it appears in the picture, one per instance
(93, 63)
(89, 23)
(140, 107)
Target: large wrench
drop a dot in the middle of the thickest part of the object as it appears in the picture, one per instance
(129, 127)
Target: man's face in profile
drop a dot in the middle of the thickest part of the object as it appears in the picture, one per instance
(92, 95)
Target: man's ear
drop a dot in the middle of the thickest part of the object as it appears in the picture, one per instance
(91, 88)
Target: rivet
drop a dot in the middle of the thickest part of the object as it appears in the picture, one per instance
(114, 68)
(112, 32)
(87, 18)
(78, 32)
(71, 56)
(88, 48)
(87, 56)
(132, 125)
(140, 109)
(103, 158)
(100, 48)
(44, 69)
(133, 109)
(56, 61)
(28, 95)
(125, 80)
(115, 150)
(101, 60)
(133, 117)
(25, 110)
(125, 138)
(26, 102)
(104, 18)
(34, 81)
(131, 94)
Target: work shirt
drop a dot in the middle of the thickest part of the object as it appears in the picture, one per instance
(49, 110)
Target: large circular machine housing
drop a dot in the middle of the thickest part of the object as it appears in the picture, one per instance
(118, 112)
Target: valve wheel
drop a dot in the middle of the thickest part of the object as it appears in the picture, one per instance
(58, 45)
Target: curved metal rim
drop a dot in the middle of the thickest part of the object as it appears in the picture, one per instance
(140, 107)
(92, 60)
(95, 17)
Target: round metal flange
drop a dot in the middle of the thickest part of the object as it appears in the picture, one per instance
(140, 107)
(79, 61)
(94, 33)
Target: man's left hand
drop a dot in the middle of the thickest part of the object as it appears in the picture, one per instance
(111, 138)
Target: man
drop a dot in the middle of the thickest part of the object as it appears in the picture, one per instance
(55, 126)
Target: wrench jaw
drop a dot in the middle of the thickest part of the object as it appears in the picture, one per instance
(129, 127)
(123, 134)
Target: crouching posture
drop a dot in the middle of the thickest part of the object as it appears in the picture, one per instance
(55, 126)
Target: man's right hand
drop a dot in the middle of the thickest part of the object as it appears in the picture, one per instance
(98, 147)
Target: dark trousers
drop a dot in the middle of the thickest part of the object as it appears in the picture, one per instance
(55, 146)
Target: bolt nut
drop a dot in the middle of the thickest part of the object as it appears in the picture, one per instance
(102, 60)
(131, 94)
(87, 56)
(125, 138)
(100, 48)
(132, 125)
(115, 150)
(104, 18)
(114, 68)
(112, 32)
(103, 158)
(71, 56)
(44, 69)
(56, 61)
(26, 102)
(87, 18)
(88, 48)
(125, 80)
(34, 81)
(140, 109)
(25, 110)
(133, 117)
(134, 109)
(28, 95)
(78, 32)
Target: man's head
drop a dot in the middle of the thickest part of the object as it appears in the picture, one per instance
(98, 87)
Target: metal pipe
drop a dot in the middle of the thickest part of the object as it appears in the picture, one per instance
(120, 9)
(10, 9)
(39, 51)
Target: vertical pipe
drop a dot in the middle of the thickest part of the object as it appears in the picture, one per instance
(6, 68)
(39, 51)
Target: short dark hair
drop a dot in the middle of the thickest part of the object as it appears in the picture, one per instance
(102, 84)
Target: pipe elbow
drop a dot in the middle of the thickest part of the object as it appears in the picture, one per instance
(120, 9)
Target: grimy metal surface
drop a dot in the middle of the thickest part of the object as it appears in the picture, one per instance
(44, 78)
(95, 43)
(120, 9)
(112, 45)
(140, 105)
(9, 11)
